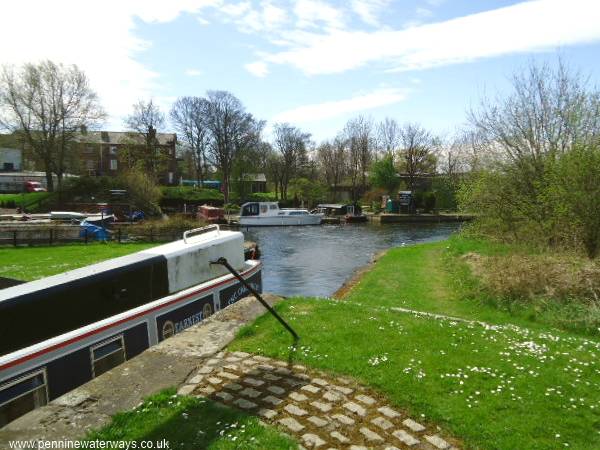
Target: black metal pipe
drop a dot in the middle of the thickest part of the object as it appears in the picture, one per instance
(223, 261)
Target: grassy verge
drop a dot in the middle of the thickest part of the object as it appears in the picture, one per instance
(513, 385)
(32, 263)
(23, 200)
(189, 423)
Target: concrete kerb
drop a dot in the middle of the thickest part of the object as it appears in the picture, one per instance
(167, 364)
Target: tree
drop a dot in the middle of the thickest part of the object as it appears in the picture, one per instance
(383, 174)
(231, 129)
(291, 142)
(546, 114)
(188, 117)
(145, 121)
(307, 191)
(418, 152)
(331, 157)
(573, 192)
(359, 133)
(388, 137)
(46, 105)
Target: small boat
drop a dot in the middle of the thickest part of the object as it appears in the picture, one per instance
(334, 213)
(100, 219)
(269, 214)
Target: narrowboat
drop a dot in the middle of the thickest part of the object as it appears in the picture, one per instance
(269, 214)
(61, 331)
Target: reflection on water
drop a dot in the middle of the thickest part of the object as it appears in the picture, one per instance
(315, 261)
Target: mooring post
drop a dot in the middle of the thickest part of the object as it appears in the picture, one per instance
(15, 238)
(223, 261)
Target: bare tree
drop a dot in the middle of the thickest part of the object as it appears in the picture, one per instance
(332, 160)
(145, 121)
(388, 136)
(188, 117)
(547, 113)
(418, 152)
(359, 134)
(231, 129)
(46, 105)
(291, 142)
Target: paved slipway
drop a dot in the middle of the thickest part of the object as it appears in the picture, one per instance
(318, 409)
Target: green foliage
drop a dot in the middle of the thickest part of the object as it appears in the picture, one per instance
(429, 201)
(262, 197)
(24, 201)
(574, 194)
(142, 191)
(384, 175)
(445, 192)
(307, 190)
(191, 194)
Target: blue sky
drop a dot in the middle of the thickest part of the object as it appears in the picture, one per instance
(313, 63)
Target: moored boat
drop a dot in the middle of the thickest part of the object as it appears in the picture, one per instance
(269, 214)
(61, 331)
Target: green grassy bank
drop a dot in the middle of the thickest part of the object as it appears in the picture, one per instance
(32, 263)
(513, 383)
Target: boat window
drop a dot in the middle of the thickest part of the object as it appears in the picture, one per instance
(298, 213)
(263, 209)
(272, 206)
(250, 210)
(23, 395)
(107, 355)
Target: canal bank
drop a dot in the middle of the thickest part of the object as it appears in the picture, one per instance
(409, 331)
(317, 261)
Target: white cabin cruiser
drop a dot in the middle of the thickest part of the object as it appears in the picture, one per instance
(269, 214)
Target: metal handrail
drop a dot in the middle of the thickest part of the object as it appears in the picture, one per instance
(223, 262)
(201, 230)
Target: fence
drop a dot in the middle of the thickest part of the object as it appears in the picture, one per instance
(65, 234)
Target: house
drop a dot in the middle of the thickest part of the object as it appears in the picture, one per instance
(253, 183)
(97, 153)
(11, 159)
(108, 153)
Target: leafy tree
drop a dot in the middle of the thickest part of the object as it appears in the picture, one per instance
(292, 143)
(307, 191)
(574, 194)
(384, 175)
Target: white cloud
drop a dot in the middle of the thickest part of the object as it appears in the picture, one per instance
(369, 10)
(258, 69)
(311, 13)
(327, 110)
(525, 27)
(100, 40)
(193, 72)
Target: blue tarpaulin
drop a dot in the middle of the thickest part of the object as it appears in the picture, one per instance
(93, 232)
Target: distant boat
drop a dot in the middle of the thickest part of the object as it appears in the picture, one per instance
(348, 212)
(269, 214)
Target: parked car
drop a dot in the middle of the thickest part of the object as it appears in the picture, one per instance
(34, 186)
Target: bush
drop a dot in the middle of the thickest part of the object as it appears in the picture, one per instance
(191, 194)
(261, 197)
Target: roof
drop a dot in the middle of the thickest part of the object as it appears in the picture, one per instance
(255, 177)
(122, 137)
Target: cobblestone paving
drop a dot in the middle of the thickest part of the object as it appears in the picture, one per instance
(320, 412)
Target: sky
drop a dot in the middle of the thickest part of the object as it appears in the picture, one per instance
(312, 63)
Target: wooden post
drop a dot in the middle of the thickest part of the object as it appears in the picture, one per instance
(86, 235)
(119, 235)
(51, 235)
(15, 238)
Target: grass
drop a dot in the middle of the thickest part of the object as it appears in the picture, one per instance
(23, 200)
(190, 423)
(514, 384)
(32, 263)
(190, 193)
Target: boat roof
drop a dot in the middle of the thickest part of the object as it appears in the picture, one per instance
(330, 205)
(169, 250)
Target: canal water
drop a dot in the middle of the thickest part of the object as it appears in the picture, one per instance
(316, 260)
